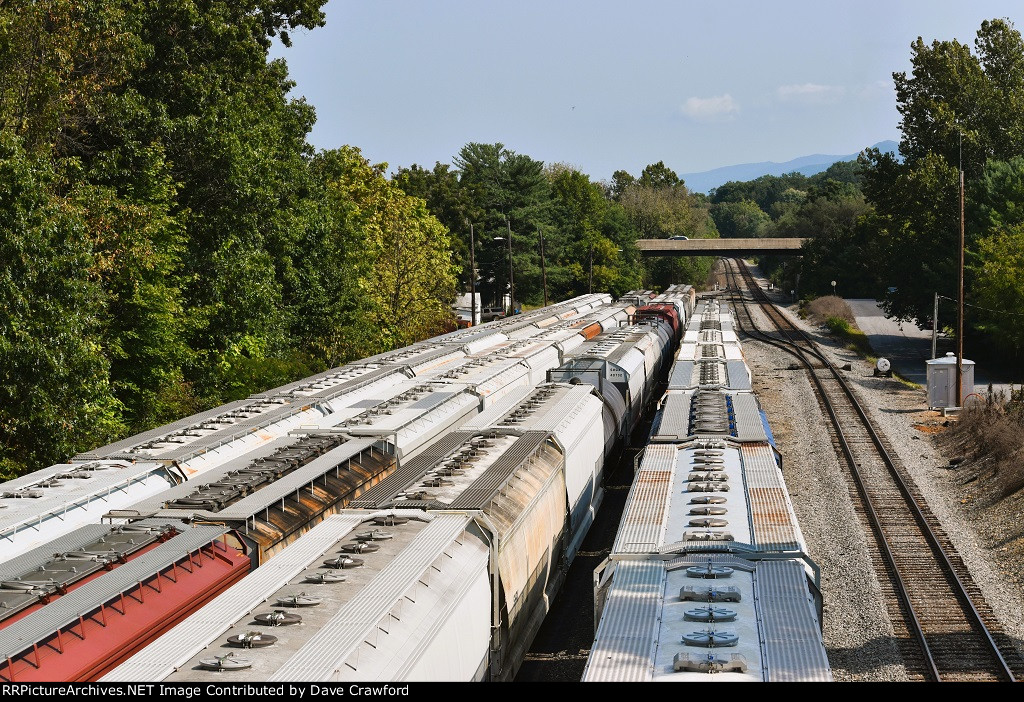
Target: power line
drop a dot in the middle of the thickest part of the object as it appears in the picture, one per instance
(987, 309)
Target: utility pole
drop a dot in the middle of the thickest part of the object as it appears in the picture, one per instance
(511, 280)
(472, 277)
(960, 288)
(543, 266)
(960, 306)
(935, 325)
(590, 283)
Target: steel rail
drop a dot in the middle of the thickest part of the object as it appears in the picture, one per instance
(960, 591)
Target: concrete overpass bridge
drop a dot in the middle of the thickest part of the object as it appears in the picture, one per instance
(728, 248)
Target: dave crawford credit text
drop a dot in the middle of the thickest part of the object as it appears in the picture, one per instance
(185, 691)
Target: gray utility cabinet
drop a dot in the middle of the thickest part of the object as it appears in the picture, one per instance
(942, 381)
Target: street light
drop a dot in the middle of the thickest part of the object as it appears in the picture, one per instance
(472, 277)
(833, 288)
(511, 280)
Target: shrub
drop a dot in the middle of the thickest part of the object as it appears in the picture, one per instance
(838, 325)
(821, 309)
(989, 434)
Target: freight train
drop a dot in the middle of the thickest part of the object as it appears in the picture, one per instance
(374, 500)
(709, 576)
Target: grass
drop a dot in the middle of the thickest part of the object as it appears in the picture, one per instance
(835, 314)
(855, 339)
(821, 309)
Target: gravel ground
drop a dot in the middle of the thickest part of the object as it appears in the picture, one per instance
(858, 633)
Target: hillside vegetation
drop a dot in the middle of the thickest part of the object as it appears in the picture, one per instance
(888, 228)
(169, 240)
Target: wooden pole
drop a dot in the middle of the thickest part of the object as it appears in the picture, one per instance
(472, 277)
(960, 306)
(590, 277)
(511, 279)
(543, 266)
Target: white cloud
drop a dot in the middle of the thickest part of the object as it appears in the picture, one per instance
(711, 109)
(879, 89)
(811, 93)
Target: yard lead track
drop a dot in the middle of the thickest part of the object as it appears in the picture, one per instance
(933, 601)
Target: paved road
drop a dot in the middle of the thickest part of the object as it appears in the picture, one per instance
(908, 347)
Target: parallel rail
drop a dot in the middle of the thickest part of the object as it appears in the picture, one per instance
(932, 596)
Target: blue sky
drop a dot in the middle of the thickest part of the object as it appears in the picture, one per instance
(609, 85)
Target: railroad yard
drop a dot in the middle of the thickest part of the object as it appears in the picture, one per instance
(863, 633)
(723, 490)
(858, 630)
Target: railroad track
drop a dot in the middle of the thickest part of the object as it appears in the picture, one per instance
(947, 632)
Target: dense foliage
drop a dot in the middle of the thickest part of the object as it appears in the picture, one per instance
(887, 226)
(588, 228)
(169, 240)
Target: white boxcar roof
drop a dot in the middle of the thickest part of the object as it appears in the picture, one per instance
(660, 516)
(381, 612)
(204, 634)
(645, 620)
(73, 502)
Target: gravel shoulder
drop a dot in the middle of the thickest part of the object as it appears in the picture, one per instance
(858, 633)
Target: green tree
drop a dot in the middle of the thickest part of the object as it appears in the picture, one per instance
(55, 393)
(952, 93)
(620, 181)
(956, 107)
(663, 208)
(397, 256)
(998, 289)
(658, 175)
(743, 219)
(512, 192)
(916, 229)
(449, 202)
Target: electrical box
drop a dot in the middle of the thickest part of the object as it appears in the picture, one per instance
(941, 373)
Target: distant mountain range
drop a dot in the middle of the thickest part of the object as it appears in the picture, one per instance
(808, 165)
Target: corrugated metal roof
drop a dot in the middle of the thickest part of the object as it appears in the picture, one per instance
(21, 634)
(544, 409)
(230, 433)
(681, 376)
(673, 423)
(749, 426)
(627, 635)
(157, 501)
(412, 470)
(31, 560)
(120, 447)
(59, 500)
(433, 409)
(501, 407)
(739, 375)
(289, 484)
(326, 649)
(484, 342)
(642, 527)
(775, 524)
(363, 375)
(480, 492)
(792, 634)
(565, 421)
(177, 646)
(37, 476)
